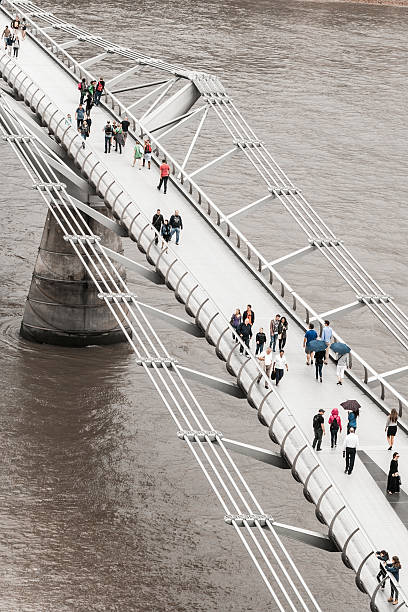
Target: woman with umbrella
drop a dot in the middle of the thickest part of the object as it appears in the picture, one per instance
(343, 361)
(354, 410)
(394, 481)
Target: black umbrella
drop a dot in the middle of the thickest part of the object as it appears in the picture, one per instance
(350, 405)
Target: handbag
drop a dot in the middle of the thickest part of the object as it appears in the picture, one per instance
(273, 375)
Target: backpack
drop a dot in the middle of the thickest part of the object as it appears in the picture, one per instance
(80, 86)
(316, 421)
(334, 426)
(99, 87)
(148, 147)
(108, 130)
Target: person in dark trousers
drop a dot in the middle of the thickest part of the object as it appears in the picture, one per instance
(394, 480)
(274, 331)
(260, 340)
(279, 366)
(147, 153)
(157, 222)
(236, 320)
(119, 140)
(349, 450)
(83, 88)
(383, 557)
(166, 231)
(249, 314)
(245, 332)
(89, 122)
(99, 91)
(352, 419)
(16, 46)
(310, 335)
(125, 128)
(265, 359)
(91, 90)
(89, 102)
(108, 136)
(176, 225)
(282, 331)
(335, 426)
(318, 428)
(79, 116)
(164, 175)
(319, 360)
(394, 569)
(84, 132)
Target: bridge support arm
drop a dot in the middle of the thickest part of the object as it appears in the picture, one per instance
(255, 452)
(212, 381)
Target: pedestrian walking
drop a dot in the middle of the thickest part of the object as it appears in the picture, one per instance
(266, 359)
(383, 557)
(79, 116)
(108, 136)
(318, 428)
(84, 132)
(260, 340)
(349, 450)
(23, 28)
(176, 223)
(157, 222)
(394, 569)
(166, 231)
(319, 360)
(91, 90)
(164, 175)
(137, 155)
(245, 333)
(99, 91)
(147, 153)
(310, 335)
(335, 426)
(68, 119)
(125, 128)
(83, 88)
(279, 366)
(89, 102)
(119, 140)
(282, 331)
(274, 331)
(16, 46)
(89, 122)
(342, 364)
(394, 479)
(352, 419)
(391, 427)
(10, 41)
(249, 314)
(235, 321)
(15, 23)
(6, 33)
(327, 337)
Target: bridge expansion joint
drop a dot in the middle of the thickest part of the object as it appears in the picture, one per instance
(194, 435)
(250, 519)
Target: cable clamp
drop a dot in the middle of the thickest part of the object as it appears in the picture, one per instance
(248, 519)
(325, 243)
(49, 186)
(18, 138)
(202, 436)
(75, 238)
(279, 191)
(123, 297)
(374, 298)
(159, 362)
(248, 143)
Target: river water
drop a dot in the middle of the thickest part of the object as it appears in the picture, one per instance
(100, 506)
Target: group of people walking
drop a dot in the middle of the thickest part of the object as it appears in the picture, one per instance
(12, 35)
(167, 227)
(393, 568)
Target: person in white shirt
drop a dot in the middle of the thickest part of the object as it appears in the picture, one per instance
(266, 359)
(279, 365)
(349, 450)
(327, 337)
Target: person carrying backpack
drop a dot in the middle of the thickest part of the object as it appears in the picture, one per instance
(147, 156)
(99, 91)
(165, 231)
(82, 87)
(108, 136)
(335, 426)
(318, 428)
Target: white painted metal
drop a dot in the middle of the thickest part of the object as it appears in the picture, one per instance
(290, 257)
(213, 163)
(245, 209)
(94, 60)
(213, 381)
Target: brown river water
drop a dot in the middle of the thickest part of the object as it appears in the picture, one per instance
(101, 506)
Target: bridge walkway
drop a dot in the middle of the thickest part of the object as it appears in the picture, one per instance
(231, 285)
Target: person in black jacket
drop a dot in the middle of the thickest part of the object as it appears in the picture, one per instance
(383, 557)
(260, 339)
(245, 332)
(157, 222)
(282, 330)
(248, 313)
(176, 224)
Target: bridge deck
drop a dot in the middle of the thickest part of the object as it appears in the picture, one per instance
(231, 285)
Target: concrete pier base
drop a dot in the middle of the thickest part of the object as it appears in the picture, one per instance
(62, 306)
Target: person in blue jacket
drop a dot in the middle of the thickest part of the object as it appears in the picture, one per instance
(394, 569)
(352, 419)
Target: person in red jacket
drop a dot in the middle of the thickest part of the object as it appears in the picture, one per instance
(335, 426)
(164, 175)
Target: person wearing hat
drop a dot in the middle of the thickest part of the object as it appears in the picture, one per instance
(318, 427)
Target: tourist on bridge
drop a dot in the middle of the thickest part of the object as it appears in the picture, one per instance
(274, 331)
(119, 140)
(342, 364)
(282, 332)
(394, 479)
(394, 569)
(6, 34)
(68, 119)
(147, 153)
(166, 231)
(84, 132)
(157, 222)
(235, 322)
(23, 28)
(391, 427)
(310, 335)
(245, 333)
(349, 450)
(79, 116)
(266, 359)
(89, 123)
(137, 155)
(164, 175)
(383, 557)
(108, 136)
(279, 366)
(15, 24)
(91, 90)
(99, 91)
(125, 124)
(319, 360)
(335, 426)
(176, 225)
(327, 337)
(352, 419)
(260, 340)
(83, 87)
(318, 428)
(89, 102)
(10, 41)
(16, 46)
(249, 314)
